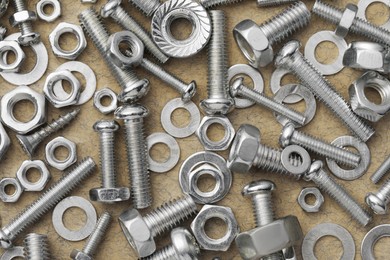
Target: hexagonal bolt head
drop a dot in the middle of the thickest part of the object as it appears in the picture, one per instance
(21, 17)
(20, 56)
(79, 255)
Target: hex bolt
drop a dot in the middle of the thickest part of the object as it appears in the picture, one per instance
(381, 171)
(27, 37)
(238, 89)
(132, 87)
(148, 7)
(46, 201)
(137, 153)
(291, 136)
(261, 195)
(94, 239)
(109, 192)
(337, 192)
(378, 201)
(30, 142)
(183, 246)
(36, 247)
(114, 10)
(291, 58)
(267, 3)
(359, 26)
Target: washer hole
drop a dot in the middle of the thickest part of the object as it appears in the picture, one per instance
(61, 153)
(68, 41)
(310, 199)
(33, 175)
(160, 152)
(74, 218)
(215, 132)
(326, 242)
(373, 94)
(378, 13)
(295, 159)
(381, 248)
(24, 110)
(47, 8)
(10, 58)
(326, 52)
(288, 79)
(206, 183)
(10, 189)
(18, 258)
(180, 117)
(106, 100)
(215, 228)
(181, 28)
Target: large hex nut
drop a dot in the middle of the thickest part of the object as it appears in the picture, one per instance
(61, 142)
(21, 175)
(21, 17)
(318, 202)
(61, 29)
(20, 56)
(18, 94)
(361, 105)
(10, 197)
(346, 20)
(262, 241)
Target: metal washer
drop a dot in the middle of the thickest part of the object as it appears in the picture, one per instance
(369, 240)
(11, 253)
(364, 4)
(174, 152)
(276, 81)
(296, 170)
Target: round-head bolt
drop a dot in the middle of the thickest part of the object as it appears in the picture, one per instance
(189, 92)
(129, 112)
(285, 136)
(106, 126)
(5, 241)
(184, 244)
(134, 91)
(378, 205)
(236, 86)
(256, 187)
(287, 52)
(109, 8)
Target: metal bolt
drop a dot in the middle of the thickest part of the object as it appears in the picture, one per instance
(261, 195)
(30, 142)
(109, 192)
(132, 87)
(381, 171)
(148, 7)
(36, 247)
(94, 239)
(359, 26)
(137, 153)
(337, 192)
(291, 136)
(291, 58)
(212, 3)
(114, 10)
(266, 3)
(378, 201)
(46, 201)
(238, 89)
(28, 37)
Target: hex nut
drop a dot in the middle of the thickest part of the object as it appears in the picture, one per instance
(97, 101)
(21, 17)
(61, 29)
(310, 207)
(79, 255)
(48, 17)
(21, 175)
(20, 56)
(219, 145)
(53, 145)
(8, 102)
(346, 20)
(4, 182)
(361, 105)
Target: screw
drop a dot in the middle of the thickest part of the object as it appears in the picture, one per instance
(291, 136)
(28, 37)
(381, 171)
(359, 26)
(113, 9)
(337, 192)
(291, 58)
(266, 3)
(30, 142)
(137, 154)
(94, 239)
(46, 201)
(36, 247)
(212, 3)
(238, 89)
(109, 192)
(148, 7)
(183, 246)
(261, 195)
(132, 87)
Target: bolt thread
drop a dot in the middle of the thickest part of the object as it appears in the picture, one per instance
(170, 214)
(166, 253)
(98, 234)
(129, 23)
(36, 247)
(148, 7)
(263, 209)
(381, 171)
(50, 198)
(269, 159)
(107, 159)
(19, 5)
(288, 21)
(212, 3)
(266, 3)
(138, 164)
(25, 27)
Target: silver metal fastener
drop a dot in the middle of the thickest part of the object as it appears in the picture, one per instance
(36, 247)
(148, 7)
(212, 3)
(266, 3)
(22, 18)
(378, 201)
(3, 31)
(381, 171)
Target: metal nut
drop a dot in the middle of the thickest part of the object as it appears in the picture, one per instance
(310, 207)
(52, 16)
(219, 145)
(21, 17)
(53, 145)
(10, 197)
(20, 56)
(97, 100)
(346, 20)
(21, 175)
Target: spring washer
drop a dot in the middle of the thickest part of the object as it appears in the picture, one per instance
(11, 253)
(276, 81)
(364, 4)
(369, 240)
(174, 152)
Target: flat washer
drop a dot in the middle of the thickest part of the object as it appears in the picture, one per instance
(326, 36)
(365, 160)
(328, 229)
(174, 153)
(255, 75)
(11, 253)
(296, 170)
(276, 81)
(364, 4)
(42, 60)
(170, 127)
(70, 202)
(370, 239)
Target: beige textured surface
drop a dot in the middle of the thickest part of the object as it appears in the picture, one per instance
(165, 186)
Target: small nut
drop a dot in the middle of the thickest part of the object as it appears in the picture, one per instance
(346, 20)
(20, 56)
(61, 142)
(79, 255)
(10, 197)
(21, 17)
(21, 175)
(52, 16)
(310, 207)
(97, 100)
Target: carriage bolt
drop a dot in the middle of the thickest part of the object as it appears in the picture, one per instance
(30, 142)
(359, 26)
(381, 171)
(27, 37)
(132, 87)
(148, 7)
(291, 58)
(238, 89)
(266, 3)
(109, 192)
(46, 201)
(337, 192)
(94, 239)
(36, 247)
(137, 153)
(114, 10)
(291, 136)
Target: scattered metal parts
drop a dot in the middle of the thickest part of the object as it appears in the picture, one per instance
(291, 155)
(198, 227)
(328, 229)
(36, 246)
(23, 18)
(60, 30)
(276, 81)
(52, 159)
(174, 152)
(42, 61)
(170, 127)
(9, 100)
(187, 9)
(20, 56)
(14, 197)
(363, 6)
(74, 202)
(346, 20)
(105, 93)
(5, 141)
(40, 184)
(370, 239)
(11, 253)
(55, 4)
(381, 171)
(326, 36)
(319, 199)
